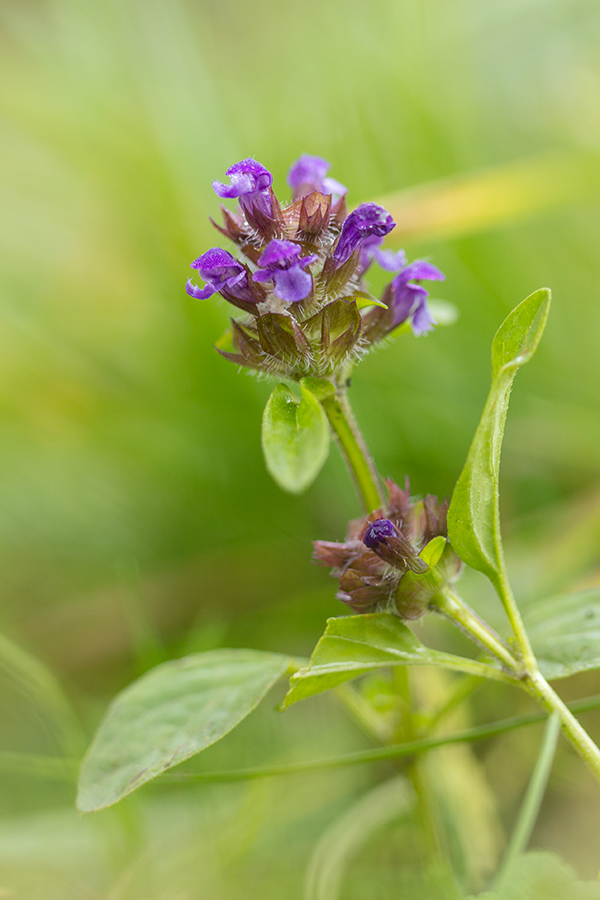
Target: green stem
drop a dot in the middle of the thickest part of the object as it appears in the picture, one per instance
(532, 680)
(502, 585)
(449, 603)
(533, 800)
(577, 736)
(354, 448)
(395, 751)
(537, 685)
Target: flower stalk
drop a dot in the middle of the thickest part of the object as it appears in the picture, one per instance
(354, 448)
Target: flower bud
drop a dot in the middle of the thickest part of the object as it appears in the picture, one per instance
(397, 560)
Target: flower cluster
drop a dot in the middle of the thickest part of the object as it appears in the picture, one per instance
(380, 566)
(299, 273)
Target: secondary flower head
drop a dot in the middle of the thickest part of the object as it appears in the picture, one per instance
(379, 566)
(281, 263)
(309, 174)
(298, 273)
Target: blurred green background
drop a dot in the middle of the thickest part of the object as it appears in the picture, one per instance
(137, 521)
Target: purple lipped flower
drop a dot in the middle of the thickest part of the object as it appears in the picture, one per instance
(309, 173)
(378, 532)
(250, 183)
(410, 300)
(366, 221)
(281, 262)
(387, 259)
(221, 271)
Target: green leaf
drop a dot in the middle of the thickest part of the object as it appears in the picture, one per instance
(295, 438)
(354, 645)
(473, 517)
(543, 876)
(171, 713)
(565, 633)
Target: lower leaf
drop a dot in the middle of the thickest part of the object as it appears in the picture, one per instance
(169, 714)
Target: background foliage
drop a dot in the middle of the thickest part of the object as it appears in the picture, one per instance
(137, 520)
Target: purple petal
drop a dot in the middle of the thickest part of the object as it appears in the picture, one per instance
(405, 298)
(388, 260)
(422, 320)
(262, 275)
(217, 263)
(292, 284)
(308, 171)
(246, 177)
(422, 270)
(200, 293)
(308, 174)
(307, 260)
(377, 532)
(365, 221)
(331, 186)
(279, 254)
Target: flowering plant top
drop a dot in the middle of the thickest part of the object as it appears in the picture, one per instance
(299, 273)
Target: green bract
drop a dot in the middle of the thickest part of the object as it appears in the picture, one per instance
(295, 438)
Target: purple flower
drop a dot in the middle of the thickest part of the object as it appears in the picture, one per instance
(251, 183)
(366, 221)
(387, 259)
(281, 262)
(309, 173)
(221, 271)
(411, 299)
(377, 533)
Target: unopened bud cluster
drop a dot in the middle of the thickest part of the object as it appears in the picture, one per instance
(380, 566)
(298, 273)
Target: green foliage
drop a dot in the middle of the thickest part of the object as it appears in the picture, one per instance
(295, 438)
(565, 633)
(543, 876)
(474, 516)
(170, 714)
(354, 645)
(344, 838)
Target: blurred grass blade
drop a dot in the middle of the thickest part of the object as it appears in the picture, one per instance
(467, 204)
(532, 801)
(38, 684)
(345, 836)
(32, 765)
(170, 714)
